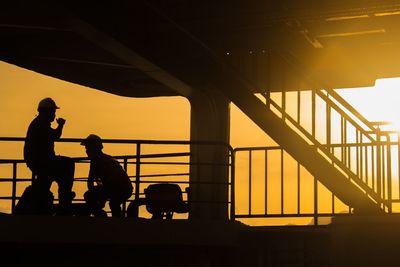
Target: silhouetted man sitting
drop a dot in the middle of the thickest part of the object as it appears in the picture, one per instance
(40, 156)
(112, 182)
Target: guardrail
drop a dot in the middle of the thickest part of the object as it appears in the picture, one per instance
(145, 166)
(151, 162)
(266, 171)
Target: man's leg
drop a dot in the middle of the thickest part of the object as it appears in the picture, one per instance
(64, 169)
(38, 197)
(115, 206)
(44, 177)
(95, 200)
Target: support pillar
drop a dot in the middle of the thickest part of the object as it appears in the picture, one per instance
(210, 119)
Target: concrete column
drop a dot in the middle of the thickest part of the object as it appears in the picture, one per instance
(210, 119)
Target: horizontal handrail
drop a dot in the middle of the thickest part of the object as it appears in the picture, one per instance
(129, 141)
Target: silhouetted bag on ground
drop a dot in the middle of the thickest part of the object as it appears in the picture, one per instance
(161, 200)
(35, 201)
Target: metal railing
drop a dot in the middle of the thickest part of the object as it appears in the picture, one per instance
(150, 162)
(297, 193)
(275, 176)
(266, 171)
(355, 146)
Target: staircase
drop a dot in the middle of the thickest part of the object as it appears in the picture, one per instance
(352, 164)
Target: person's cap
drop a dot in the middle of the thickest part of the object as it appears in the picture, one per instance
(47, 103)
(93, 141)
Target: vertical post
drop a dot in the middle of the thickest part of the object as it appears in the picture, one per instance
(284, 106)
(14, 186)
(342, 140)
(383, 169)
(298, 188)
(347, 154)
(233, 208)
(126, 170)
(282, 184)
(357, 155)
(373, 168)
(313, 111)
(328, 126)
(378, 162)
(298, 106)
(366, 163)
(389, 174)
(398, 160)
(329, 139)
(137, 180)
(266, 180)
(315, 201)
(361, 157)
(250, 174)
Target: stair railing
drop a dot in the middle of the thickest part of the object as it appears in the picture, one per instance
(351, 143)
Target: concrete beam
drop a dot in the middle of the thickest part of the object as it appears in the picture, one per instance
(126, 54)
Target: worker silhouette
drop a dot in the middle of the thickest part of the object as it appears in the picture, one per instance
(40, 157)
(112, 182)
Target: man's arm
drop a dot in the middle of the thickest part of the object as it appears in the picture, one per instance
(90, 181)
(58, 130)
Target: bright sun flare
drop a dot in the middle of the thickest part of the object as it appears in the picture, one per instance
(378, 103)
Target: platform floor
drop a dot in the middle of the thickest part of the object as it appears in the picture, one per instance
(87, 241)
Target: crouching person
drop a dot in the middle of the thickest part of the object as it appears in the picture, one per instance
(107, 180)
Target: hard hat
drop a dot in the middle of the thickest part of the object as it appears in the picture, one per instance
(47, 103)
(93, 141)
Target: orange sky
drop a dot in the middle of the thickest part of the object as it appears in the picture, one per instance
(92, 111)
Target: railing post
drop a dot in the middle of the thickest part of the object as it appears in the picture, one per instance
(357, 155)
(298, 106)
(378, 162)
(126, 170)
(266, 181)
(298, 188)
(137, 180)
(14, 187)
(250, 180)
(315, 201)
(233, 212)
(284, 106)
(313, 112)
(398, 160)
(343, 139)
(282, 184)
(389, 174)
(328, 127)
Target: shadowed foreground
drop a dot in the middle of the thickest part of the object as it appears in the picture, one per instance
(359, 241)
